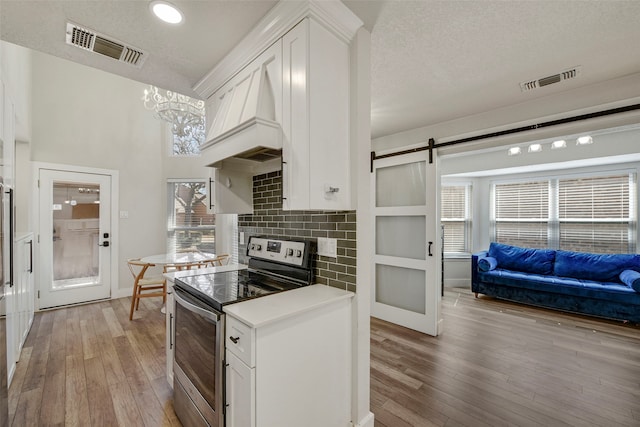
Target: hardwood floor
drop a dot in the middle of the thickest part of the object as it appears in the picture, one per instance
(90, 366)
(496, 364)
(505, 364)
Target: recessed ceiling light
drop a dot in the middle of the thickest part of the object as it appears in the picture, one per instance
(560, 143)
(166, 11)
(584, 140)
(535, 148)
(514, 151)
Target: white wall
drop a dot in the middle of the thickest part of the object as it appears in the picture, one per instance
(90, 118)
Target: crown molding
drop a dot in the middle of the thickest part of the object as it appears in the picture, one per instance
(332, 14)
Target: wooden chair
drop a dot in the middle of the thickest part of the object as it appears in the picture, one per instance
(168, 268)
(220, 260)
(145, 287)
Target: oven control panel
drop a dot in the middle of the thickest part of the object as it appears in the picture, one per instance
(284, 251)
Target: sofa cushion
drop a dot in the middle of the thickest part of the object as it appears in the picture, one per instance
(487, 263)
(596, 267)
(528, 260)
(631, 278)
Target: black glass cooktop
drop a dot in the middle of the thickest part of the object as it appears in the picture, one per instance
(219, 289)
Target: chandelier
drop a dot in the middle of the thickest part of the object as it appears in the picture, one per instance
(185, 114)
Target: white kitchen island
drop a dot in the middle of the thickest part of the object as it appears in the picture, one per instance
(288, 358)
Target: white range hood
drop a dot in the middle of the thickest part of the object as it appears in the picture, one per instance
(245, 113)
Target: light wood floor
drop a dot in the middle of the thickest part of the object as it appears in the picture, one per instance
(90, 366)
(496, 364)
(505, 364)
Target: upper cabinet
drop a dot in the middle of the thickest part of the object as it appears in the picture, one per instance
(316, 171)
(289, 106)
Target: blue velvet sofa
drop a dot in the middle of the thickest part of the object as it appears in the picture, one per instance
(604, 285)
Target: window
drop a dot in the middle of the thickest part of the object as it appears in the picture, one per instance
(587, 214)
(190, 226)
(455, 214)
(521, 213)
(595, 214)
(187, 145)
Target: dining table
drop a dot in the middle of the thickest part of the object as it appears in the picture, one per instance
(178, 258)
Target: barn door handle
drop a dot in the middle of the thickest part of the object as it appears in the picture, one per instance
(430, 243)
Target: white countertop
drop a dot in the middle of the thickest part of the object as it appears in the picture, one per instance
(271, 308)
(221, 269)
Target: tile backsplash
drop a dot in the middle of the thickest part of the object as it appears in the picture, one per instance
(270, 220)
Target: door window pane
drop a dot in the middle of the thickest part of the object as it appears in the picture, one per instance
(401, 287)
(401, 236)
(76, 218)
(402, 185)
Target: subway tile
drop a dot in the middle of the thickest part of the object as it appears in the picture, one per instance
(346, 226)
(337, 234)
(347, 244)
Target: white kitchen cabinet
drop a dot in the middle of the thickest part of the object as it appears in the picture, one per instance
(20, 300)
(24, 283)
(170, 331)
(316, 170)
(230, 190)
(8, 137)
(2, 136)
(240, 392)
(288, 358)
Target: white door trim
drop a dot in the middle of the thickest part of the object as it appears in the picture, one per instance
(115, 235)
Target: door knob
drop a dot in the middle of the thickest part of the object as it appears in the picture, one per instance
(105, 244)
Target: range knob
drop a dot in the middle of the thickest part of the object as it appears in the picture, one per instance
(289, 252)
(258, 247)
(298, 253)
(253, 247)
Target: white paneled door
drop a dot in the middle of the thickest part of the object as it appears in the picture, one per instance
(75, 237)
(406, 244)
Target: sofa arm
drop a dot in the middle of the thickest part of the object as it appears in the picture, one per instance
(631, 278)
(474, 269)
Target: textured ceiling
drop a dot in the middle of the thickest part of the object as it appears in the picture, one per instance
(435, 61)
(432, 61)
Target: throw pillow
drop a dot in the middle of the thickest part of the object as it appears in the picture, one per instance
(631, 278)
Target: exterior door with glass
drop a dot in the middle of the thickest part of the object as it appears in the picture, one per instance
(406, 257)
(75, 237)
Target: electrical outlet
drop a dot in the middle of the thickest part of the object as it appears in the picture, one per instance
(241, 238)
(328, 247)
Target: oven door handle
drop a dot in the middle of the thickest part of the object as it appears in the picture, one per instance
(210, 314)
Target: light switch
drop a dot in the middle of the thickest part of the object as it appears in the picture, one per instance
(124, 214)
(328, 247)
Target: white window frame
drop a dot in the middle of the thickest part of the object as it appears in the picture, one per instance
(466, 220)
(554, 221)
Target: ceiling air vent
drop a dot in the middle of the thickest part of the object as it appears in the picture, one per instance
(549, 80)
(93, 41)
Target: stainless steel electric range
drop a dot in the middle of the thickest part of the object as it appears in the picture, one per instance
(274, 265)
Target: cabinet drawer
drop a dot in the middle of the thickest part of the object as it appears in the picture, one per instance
(239, 339)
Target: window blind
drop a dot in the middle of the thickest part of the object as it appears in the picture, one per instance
(521, 212)
(595, 214)
(455, 214)
(587, 214)
(189, 226)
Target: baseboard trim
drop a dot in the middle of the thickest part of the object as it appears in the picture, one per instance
(367, 421)
(121, 293)
(457, 283)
